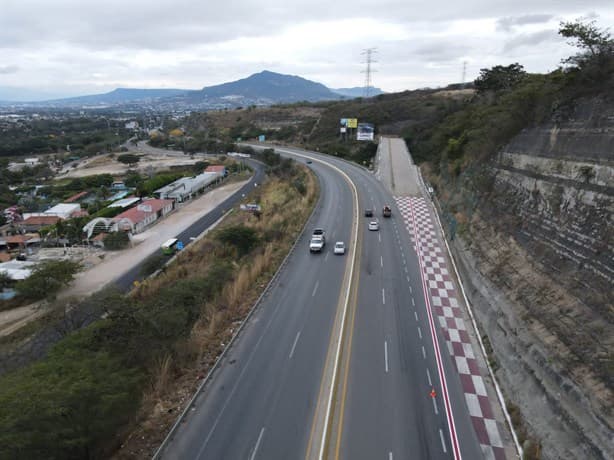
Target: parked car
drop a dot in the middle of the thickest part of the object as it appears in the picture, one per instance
(339, 248)
(374, 225)
(309, 162)
(368, 212)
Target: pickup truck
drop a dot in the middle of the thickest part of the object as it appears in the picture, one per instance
(318, 240)
(387, 211)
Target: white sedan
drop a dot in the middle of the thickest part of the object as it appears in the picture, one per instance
(374, 225)
(339, 247)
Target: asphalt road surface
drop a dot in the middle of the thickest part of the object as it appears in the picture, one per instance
(260, 403)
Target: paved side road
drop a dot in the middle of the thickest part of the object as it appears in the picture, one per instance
(395, 167)
(147, 242)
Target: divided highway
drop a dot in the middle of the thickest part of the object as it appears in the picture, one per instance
(261, 402)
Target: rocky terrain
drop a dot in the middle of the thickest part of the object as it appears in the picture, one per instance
(538, 259)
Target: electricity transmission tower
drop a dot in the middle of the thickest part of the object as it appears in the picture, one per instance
(464, 74)
(368, 53)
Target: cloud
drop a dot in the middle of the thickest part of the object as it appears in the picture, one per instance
(507, 24)
(8, 69)
(63, 46)
(531, 39)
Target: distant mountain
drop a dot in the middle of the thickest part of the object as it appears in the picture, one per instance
(268, 87)
(118, 96)
(357, 91)
(264, 88)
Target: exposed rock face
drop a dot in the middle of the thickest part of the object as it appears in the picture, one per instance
(542, 257)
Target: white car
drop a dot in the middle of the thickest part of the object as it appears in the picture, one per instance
(339, 247)
(374, 225)
(316, 244)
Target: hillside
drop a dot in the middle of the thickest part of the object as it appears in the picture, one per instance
(270, 86)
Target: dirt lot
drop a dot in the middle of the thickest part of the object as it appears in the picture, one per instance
(149, 162)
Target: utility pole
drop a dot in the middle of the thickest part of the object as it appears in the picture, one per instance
(368, 53)
(464, 74)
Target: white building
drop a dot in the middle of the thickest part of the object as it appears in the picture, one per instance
(185, 188)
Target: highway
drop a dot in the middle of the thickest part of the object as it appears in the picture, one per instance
(261, 402)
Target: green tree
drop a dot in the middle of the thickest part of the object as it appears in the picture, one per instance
(595, 44)
(128, 158)
(500, 77)
(241, 237)
(47, 278)
(116, 240)
(5, 280)
(68, 405)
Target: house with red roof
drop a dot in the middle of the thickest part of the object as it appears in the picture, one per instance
(136, 219)
(35, 223)
(219, 169)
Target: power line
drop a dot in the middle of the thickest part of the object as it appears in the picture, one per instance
(368, 53)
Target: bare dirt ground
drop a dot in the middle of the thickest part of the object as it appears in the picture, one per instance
(106, 266)
(151, 159)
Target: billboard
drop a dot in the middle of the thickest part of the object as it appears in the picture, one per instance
(348, 122)
(365, 132)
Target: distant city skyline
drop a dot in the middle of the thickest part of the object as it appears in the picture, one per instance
(63, 48)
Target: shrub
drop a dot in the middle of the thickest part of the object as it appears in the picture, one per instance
(47, 278)
(116, 241)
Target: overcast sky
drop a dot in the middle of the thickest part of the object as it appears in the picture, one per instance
(71, 47)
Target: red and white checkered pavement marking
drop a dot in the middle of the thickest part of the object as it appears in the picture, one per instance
(446, 307)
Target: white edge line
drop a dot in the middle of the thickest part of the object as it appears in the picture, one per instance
(298, 334)
(386, 354)
(443, 442)
(315, 289)
(253, 456)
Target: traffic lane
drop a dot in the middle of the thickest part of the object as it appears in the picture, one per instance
(468, 441)
(463, 426)
(126, 280)
(236, 405)
(387, 406)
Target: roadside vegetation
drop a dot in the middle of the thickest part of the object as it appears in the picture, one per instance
(131, 370)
